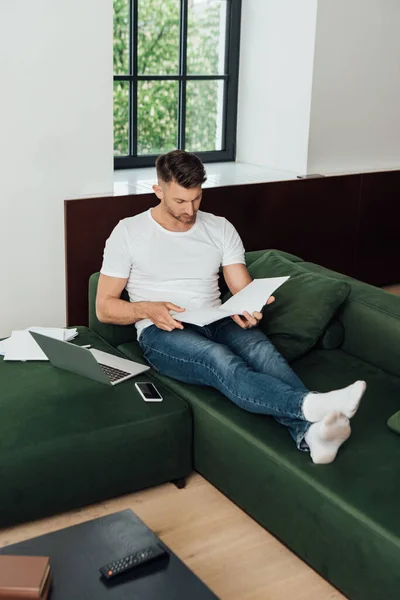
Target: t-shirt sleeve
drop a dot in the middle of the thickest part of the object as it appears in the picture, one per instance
(233, 250)
(117, 255)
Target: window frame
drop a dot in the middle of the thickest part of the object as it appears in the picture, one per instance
(231, 79)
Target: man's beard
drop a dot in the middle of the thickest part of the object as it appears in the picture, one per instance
(181, 218)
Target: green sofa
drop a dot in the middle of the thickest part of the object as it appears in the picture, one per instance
(67, 441)
(343, 519)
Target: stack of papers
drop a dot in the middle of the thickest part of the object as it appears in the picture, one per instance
(21, 345)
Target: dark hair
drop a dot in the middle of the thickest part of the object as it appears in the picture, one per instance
(183, 167)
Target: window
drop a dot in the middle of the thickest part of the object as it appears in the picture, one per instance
(175, 79)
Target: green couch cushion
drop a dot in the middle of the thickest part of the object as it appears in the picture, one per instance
(394, 422)
(371, 319)
(343, 519)
(67, 441)
(333, 336)
(304, 305)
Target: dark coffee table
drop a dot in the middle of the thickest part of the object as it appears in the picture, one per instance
(76, 554)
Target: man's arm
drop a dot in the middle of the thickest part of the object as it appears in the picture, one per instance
(237, 277)
(109, 306)
(111, 309)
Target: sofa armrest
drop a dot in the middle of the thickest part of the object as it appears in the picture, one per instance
(371, 320)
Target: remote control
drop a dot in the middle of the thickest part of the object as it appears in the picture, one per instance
(131, 561)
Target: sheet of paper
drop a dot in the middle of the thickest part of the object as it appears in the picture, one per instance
(201, 316)
(3, 346)
(22, 346)
(251, 298)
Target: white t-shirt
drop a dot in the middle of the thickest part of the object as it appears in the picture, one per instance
(169, 266)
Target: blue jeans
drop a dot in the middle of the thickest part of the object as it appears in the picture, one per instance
(241, 363)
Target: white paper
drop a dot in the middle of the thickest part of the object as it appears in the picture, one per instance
(251, 298)
(22, 346)
(53, 332)
(3, 346)
(58, 333)
(69, 335)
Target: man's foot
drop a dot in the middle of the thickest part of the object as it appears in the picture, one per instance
(325, 438)
(346, 401)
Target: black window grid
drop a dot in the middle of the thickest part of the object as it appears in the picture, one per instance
(230, 78)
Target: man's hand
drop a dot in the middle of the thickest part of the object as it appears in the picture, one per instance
(248, 321)
(158, 312)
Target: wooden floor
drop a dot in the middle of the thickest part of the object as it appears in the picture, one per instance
(393, 289)
(209, 533)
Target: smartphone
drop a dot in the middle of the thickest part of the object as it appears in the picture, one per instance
(148, 391)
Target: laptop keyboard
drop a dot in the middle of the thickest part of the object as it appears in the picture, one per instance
(112, 373)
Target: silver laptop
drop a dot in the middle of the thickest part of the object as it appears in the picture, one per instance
(94, 364)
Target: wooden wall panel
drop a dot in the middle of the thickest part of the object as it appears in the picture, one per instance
(88, 224)
(315, 218)
(378, 239)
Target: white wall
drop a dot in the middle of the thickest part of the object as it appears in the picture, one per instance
(355, 114)
(56, 142)
(276, 69)
(319, 85)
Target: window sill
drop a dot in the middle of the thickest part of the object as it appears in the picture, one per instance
(140, 181)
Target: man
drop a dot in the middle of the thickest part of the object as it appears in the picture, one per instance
(168, 259)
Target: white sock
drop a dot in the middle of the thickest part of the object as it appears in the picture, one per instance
(346, 401)
(325, 438)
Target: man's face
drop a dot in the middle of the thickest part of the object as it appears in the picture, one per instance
(181, 203)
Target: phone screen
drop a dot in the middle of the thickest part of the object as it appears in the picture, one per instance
(148, 390)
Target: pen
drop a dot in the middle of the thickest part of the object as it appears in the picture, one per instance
(86, 346)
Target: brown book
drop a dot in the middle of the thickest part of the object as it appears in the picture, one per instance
(24, 577)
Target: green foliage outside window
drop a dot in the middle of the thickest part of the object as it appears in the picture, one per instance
(158, 54)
